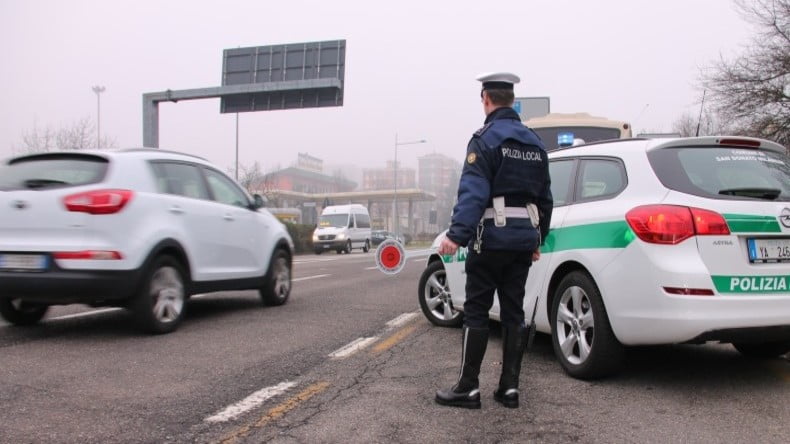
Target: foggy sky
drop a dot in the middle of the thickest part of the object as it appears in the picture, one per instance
(410, 68)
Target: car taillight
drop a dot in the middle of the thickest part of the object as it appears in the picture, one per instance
(88, 255)
(672, 224)
(99, 201)
(746, 143)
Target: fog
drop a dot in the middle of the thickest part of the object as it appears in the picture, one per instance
(410, 69)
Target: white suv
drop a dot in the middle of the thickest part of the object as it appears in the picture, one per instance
(138, 228)
(653, 241)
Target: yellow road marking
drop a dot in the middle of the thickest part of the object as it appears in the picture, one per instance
(278, 411)
(392, 340)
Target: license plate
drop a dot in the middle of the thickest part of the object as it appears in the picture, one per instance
(769, 250)
(26, 262)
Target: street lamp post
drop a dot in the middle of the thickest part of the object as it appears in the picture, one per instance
(98, 90)
(395, 181)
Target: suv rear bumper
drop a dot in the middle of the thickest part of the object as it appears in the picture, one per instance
(59, 286)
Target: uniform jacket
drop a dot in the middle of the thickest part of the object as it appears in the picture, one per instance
(503, 158)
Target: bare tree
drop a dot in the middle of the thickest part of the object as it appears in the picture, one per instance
(708, 123)
(250, 177)
(751, 92)
(79, 136)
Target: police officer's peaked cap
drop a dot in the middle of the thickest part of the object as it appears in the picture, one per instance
(498, 80)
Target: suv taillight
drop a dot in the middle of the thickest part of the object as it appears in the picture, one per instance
(672, 224)
(99, 201)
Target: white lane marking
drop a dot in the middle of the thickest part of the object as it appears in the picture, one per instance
(83, 314)
(372, 268)
(352, 347)
(400, 320)
(250, 402)
(421, 260)
(307, 278)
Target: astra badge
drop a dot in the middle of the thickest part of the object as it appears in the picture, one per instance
(784, 217)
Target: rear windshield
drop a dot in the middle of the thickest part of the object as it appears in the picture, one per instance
(554, 137)
(53, 170)
(724, 173)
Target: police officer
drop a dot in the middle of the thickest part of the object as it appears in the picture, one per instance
(502, 215)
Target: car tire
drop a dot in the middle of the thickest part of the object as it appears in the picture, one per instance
(159, 304)
(19, 312)
(764, 349)
(581, 334)
(277, 287)
(433, 293)
(318, 251)
(366, 248)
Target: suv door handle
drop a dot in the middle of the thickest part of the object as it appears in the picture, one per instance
(228, 217)
(176, 209)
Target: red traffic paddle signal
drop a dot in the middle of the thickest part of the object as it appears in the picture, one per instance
(390, 257)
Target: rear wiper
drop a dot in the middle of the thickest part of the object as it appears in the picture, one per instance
(41, 183)
(759, 193)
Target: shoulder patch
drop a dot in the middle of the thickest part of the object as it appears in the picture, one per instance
(470, 159)
(483, 129)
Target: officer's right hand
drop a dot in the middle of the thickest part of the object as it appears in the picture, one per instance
(536, 255)
(447, 247)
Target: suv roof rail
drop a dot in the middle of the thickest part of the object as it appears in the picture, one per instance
(597, 142)
(158, 150)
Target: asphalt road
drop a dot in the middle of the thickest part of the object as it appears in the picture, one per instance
(350, 359)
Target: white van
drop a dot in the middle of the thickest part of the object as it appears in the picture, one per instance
(342, 228)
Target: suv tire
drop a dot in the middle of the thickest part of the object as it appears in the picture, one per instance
(19, 312)
(583, 322)
(277, 287)
(160, 301)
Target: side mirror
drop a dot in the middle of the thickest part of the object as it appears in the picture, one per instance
(259, 201)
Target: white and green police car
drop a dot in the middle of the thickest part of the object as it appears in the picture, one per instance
(653, 241)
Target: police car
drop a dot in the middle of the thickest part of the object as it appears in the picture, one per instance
(652, 241)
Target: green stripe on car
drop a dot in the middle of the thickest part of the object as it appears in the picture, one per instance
(751, 284)
(615, 234)
(749, 223)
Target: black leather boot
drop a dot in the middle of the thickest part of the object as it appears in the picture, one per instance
(514, 342)
(465, 393)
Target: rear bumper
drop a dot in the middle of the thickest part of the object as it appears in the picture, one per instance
(59, 286)
(642, 312)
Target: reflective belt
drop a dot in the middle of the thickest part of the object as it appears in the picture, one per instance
(513, 212)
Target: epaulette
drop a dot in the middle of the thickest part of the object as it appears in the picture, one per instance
(483, 129)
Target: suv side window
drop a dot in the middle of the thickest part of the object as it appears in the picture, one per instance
(181, 179)
(561, 172)
(599, 179)
(225, 190)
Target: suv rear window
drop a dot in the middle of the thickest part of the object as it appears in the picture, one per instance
(52, 170)
(725, 173)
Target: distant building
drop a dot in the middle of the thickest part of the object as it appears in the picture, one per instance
(384, 178)
(439, 175)
(306, 177)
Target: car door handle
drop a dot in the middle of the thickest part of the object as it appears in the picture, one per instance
(176, 209)
(229, 217)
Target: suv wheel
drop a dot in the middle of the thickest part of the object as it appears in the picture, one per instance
(366, 248)
(159, 304)
(434, 295)
(763, 350)
(583, 339)
(277, 288)
(19, 312)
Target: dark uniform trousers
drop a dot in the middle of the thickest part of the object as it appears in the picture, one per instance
(489, 270)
